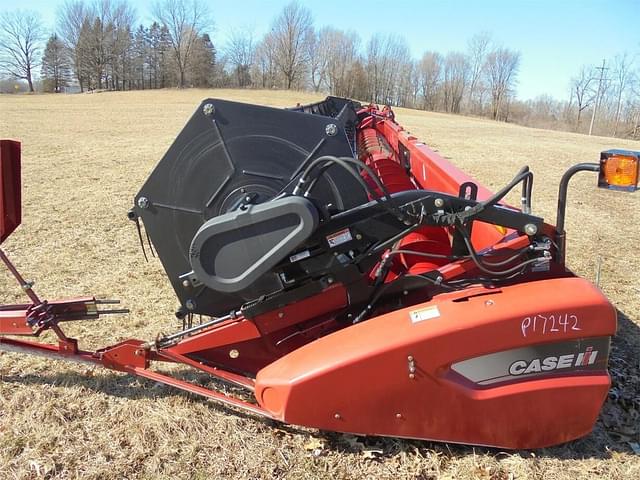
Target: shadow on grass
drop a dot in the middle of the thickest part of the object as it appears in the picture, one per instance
(617, 427)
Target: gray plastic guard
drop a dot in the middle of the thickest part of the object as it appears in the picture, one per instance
(231, 252)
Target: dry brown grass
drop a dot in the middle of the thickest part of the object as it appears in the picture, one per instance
(85, 156)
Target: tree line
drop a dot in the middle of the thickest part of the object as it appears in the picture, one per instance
(98, 45)
(602, 99)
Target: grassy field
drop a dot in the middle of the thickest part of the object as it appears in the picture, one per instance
(85, 156)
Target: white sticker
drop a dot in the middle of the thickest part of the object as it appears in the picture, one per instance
(299, 256)
(340, 237)
(424, 314)
(543, 265)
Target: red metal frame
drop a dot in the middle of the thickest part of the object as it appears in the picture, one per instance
(10, 205)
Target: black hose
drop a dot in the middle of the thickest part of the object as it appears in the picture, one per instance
(481, 266)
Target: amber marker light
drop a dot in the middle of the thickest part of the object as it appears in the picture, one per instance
(619, 170)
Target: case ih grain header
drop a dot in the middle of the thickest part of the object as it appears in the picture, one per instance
(351, 279)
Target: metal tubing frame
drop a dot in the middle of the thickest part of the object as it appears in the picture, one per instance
(139, 367)
(562, 204)
(130, 356)
(26, 286)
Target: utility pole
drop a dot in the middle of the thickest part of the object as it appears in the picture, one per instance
(597, 102)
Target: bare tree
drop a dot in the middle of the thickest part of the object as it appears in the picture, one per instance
(185, 20)
(21, 36)
(477, 48)
(582, 91)
(455, 80)
(265, 62)
(120, 17)
(99, 38)
(387, 56)
(240, 50)
(341, 51)
(290, 31)
(430, 78)
(317, 57)
(501, 71)
(73, 16)
(622, 76)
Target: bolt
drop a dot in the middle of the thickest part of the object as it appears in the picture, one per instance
(190, 304)
(412, 376)
(208, 109)
(186, 283)
(488, 303)
(143, 202)
(358, 236)
(405, 292)
(530, 229)
(410, 358)
(330, 280)
(234, 353)
(280, 314)
(439, 202)
(331, 129)
(398, 415)
(337, 416)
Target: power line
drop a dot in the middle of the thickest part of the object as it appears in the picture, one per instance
(595, 106)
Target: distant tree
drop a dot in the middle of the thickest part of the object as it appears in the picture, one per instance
(73, 25)
(622, 77)
(84, 55)
(202, 64)
(290, 32)
(141, 57)
(455, 80)
(240, 51)
(386, 58)
(582, 91)
(21, 36)
(56, 68)
(265, 63)
(430, 78)
(342, 61)
(501, 71)
(185, 20)
(159, 52)
(120, 18)
(477, 49)
(316, 53)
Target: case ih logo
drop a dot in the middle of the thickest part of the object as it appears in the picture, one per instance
(546, 364)
(535, 361)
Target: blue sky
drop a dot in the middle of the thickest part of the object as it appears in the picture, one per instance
(555, 37)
